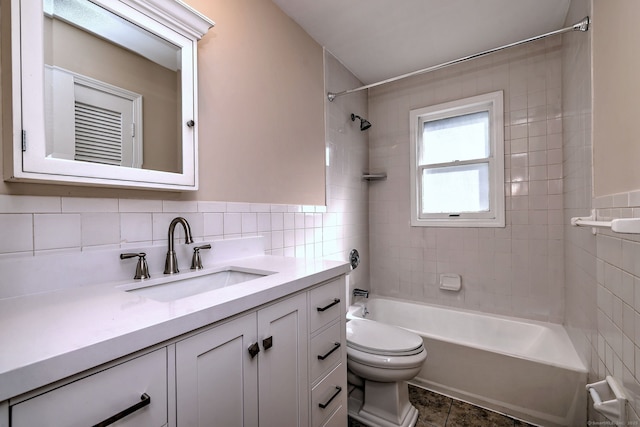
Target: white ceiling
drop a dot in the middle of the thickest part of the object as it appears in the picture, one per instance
(379, 39)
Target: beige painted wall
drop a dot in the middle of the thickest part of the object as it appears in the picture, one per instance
(616, 90)
(261, 106)
(261, 99)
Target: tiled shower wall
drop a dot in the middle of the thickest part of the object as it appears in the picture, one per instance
(516, 270)
(36, 225)
(602, 271)
(347, 157)
(616, 345)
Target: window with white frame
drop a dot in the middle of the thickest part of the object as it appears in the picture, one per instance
(457, 163)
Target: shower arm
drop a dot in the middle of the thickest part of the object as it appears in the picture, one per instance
(582, 25)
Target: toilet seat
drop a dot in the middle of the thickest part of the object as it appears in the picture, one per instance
(374, 338)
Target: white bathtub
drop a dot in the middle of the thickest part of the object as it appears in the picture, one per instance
(525, 369)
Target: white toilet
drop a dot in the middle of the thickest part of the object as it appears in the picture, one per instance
(380, 359)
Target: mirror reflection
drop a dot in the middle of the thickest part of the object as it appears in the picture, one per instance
(112, 89)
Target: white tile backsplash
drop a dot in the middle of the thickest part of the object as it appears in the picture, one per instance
(139, 205)
(179, 206)
(136, 227)
(249, 222)
(219, 207)
(16, 233)
(29, 204)
(82, 204)
(213, 224)
(57, 231)
(100, 228)
(232, 223)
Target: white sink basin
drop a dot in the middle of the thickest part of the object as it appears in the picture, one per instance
(172, 288)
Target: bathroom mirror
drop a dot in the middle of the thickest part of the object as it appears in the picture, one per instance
(105, 92)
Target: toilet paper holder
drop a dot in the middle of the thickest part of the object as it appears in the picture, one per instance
(609, 399)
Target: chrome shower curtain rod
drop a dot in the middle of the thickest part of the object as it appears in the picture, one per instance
(583, 25)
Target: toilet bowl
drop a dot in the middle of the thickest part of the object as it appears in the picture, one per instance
(380, 359)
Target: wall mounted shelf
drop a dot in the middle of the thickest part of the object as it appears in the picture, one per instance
(620, 225)
(374, 176)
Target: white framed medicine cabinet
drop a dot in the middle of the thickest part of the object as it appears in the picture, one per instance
(104, 92)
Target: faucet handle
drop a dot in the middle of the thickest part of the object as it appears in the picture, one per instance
(142, 269)
(196, 261)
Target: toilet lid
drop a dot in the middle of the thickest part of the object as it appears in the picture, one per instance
(379, 338)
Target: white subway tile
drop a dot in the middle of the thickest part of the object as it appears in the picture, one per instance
(29, 204)
(264, 221)
(620, 200)
(289, 238)
(179, 206)
(309, 251)
(82, 204)
(634, 198)
(289, 221)
(214, 207)
(213, 224)
(277, 221)
(100, 228)
(277, 239)
(16, 233)
(249, 223)
(56, 231)
(136, 227)
(232, 223)
(233, 207)
(139, 205)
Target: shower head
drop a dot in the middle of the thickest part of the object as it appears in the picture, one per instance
(364, 123)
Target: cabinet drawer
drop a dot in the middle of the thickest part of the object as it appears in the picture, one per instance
(325, 302)
(338, 419)
(329, 395)
(95, 398)
(326, 351)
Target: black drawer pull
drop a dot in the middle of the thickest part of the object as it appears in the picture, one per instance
(335, 347)
(145, 399)
(324, 405)
(335, 301)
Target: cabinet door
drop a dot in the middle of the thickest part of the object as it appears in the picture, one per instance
(283, 376)
(216, 377)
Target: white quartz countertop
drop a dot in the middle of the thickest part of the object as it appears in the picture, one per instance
(49, 336)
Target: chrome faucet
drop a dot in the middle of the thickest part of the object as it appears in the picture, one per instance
(360, 293)
(171, 263)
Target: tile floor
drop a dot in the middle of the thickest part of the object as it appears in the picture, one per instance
(436, 410)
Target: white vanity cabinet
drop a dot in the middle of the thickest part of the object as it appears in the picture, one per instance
(249, 371)
(282, 363)
(138, 386)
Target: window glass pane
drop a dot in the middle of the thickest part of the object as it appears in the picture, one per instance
(456, 189)
(463, 137)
